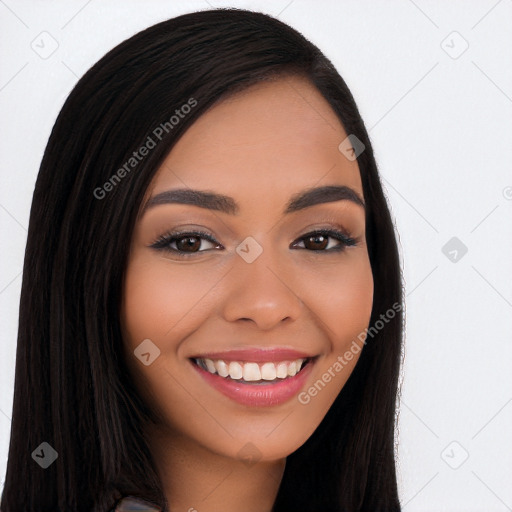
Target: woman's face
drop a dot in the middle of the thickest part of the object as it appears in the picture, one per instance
(261, 288)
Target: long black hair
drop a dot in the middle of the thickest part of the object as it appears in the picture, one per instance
(72, 388)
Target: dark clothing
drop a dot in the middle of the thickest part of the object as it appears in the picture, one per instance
(131, 504)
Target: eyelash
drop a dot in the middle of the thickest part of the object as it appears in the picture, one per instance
(163, 242)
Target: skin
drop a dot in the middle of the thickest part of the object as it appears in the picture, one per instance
(260, 147)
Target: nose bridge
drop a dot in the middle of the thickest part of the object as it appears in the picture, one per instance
(260, 288)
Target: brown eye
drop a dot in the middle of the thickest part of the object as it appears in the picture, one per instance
(316, 242)
(319, 241)
(186, 244)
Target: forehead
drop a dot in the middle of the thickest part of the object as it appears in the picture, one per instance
(270, 137)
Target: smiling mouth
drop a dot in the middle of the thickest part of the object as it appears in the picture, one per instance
(251, 372)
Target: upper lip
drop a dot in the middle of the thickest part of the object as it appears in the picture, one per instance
(257, 355)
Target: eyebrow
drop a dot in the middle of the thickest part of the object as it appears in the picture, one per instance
(226, 204)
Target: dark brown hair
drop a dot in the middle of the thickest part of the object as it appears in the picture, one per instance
(72, 388)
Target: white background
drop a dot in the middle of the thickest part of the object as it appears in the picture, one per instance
(440, 120)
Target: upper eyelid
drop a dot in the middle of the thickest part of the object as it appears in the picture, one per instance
(210, 237)
(329, 225)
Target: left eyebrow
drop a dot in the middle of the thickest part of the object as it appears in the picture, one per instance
(326, 194)
(226, 204)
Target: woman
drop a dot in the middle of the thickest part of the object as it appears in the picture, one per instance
(211, 308)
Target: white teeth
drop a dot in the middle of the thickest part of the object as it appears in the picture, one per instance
(282, 371)
(292, 368)
(235, 370)
(222, 368)
(209, 365)
(268, 371)
(251, 372)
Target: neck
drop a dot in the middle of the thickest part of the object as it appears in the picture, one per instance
(196, 479)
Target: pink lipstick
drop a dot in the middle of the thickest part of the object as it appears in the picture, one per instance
(256, 377)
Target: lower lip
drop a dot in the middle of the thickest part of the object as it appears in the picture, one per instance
(258, 395)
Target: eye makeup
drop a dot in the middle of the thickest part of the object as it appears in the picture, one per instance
(317, 236)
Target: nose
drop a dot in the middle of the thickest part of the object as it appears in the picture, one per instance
(261, 292)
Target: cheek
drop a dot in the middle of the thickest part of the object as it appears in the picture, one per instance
(351, 306)
(342, 299)
(160, 304)
(160, 301)
(342, 303)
